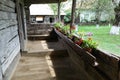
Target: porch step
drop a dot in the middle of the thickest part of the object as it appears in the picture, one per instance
(50, 52)
(43, 46)
(38, 37)
(39, 31)
(45, 35)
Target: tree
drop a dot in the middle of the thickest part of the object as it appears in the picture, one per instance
(79, 6)
(82, 5)
(101, 6)
(117, 13)
(54, 7)
(116, 25)
(67, 18)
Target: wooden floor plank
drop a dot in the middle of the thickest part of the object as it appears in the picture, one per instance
(32, 68)
(37, 67)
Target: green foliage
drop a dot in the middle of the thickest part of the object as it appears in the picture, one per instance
(84, 43)
(54, 8)
(67, 18)
(89, 43)
(66, 28)
(103, 6)
(84, 4)
(81, 34)
(58, 25)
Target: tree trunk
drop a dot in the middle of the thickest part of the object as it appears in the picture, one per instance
(77, 20)
(115, 29)
(98, 15)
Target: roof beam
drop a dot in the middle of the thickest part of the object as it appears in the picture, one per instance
(29, 2)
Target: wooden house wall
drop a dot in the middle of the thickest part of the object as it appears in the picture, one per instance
(9, 39)
(0, 73)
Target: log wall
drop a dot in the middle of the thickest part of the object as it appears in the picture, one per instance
(9, 39)
(107, 68)
(0, 73)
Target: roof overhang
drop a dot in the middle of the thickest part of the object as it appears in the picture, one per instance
(42, 9)
(29, 2)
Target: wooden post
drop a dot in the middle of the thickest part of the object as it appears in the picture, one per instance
(20, 26)
(58, 12)
(27, 11)
(73, 13)
(27, 15)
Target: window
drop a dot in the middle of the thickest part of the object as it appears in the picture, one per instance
(39, 18)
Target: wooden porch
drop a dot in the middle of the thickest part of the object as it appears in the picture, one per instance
(50, 58)
(45, 60)
(61, 59)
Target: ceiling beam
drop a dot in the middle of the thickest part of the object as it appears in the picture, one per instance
(29, 2)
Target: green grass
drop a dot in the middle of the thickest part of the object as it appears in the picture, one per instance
(108, 43)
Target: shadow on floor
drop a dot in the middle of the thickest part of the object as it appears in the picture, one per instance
(34, 66)
(63, 68)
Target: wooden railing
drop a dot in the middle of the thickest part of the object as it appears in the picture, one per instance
(39, 29)
(91, 66)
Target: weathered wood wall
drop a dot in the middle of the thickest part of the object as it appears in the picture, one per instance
(9, 39)
(108, 67)
(0, 73)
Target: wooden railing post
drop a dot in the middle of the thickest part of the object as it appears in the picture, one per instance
(73, 14)
(58, 16)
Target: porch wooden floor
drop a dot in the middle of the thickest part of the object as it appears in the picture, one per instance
(34, 66)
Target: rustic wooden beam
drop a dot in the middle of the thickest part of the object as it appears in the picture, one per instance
(29, 2)
(20, 25)
(59, 11)
(73, 13)
(27, 11)
(42, 1)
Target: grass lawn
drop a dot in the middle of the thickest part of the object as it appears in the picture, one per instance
(107, 43)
